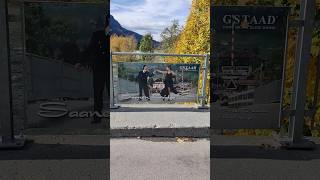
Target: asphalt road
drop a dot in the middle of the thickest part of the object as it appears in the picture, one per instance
(86, 157)
(234, 158)
(259, 158)
(265, 169)
(66, 157)
(74, 157)
(159, 159)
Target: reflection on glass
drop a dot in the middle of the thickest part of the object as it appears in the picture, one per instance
(67, 50)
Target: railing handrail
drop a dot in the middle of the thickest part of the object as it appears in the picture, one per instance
(157, 54)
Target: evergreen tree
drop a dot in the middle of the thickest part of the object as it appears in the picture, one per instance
(146, 45)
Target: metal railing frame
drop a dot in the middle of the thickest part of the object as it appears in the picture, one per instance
(204, 69)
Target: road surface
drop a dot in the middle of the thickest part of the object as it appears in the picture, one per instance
(159, 159)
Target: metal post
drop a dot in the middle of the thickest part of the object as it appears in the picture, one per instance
(204, 83)
(6, 116)
(112, 103)
(296, 138)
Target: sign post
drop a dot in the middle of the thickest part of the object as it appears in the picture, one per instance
(6, 117)
(248, 50)
(112, 102)
(296, 123)
(204, 83)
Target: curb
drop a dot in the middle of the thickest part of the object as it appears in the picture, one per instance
(202, 132)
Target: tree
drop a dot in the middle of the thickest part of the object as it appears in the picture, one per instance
(195, 36)
(123, 44)
(170, 35)
(44, 34)
(146, 45)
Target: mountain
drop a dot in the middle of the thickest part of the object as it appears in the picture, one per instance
(116, 28)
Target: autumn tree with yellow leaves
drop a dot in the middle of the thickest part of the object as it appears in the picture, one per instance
(123, 44)
(195, 36)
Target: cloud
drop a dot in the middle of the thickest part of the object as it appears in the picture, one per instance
(152, 16)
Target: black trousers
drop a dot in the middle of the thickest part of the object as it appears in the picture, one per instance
(99, 83)
(145, 89)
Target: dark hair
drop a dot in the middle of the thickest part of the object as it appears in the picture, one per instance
(169, 67)
(143, 66)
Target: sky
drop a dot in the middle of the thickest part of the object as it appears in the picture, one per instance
(150, 16)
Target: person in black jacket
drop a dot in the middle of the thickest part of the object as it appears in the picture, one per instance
(168, 83)
(96, 57)
(143, 82)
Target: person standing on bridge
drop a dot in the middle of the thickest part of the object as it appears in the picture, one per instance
(143, 82)
(96, 57)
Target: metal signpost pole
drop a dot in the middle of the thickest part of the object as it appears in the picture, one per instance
(204, 83)
(6, 117)
(296, 138)
(112, 102)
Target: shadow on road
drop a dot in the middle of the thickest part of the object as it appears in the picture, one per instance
(57, 152)
(258, 152)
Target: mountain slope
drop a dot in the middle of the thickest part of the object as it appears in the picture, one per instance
(116, 28)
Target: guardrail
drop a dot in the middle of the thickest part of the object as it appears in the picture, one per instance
(205, 67)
